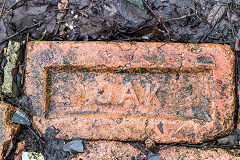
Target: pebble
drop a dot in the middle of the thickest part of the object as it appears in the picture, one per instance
(75, 145)
(32, 156)
(21, 117)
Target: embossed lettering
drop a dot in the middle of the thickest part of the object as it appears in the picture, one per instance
(150, 96)
(104, 93)
(128, 94)
(79, 92)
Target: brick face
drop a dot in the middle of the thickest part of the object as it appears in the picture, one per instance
(119, 150)
(168, 92)
(8, 130)
(178, 152)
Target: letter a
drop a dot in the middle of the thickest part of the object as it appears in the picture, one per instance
(128, 93)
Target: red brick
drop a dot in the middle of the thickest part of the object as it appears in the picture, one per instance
(8, 130)
(198, 153)
(19, 150)
(168, 92)
(109, 150)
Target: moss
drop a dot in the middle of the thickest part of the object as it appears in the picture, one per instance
(12, 58)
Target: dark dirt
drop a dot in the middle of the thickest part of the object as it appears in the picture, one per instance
(182, 21)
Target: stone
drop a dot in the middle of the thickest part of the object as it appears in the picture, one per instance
(152, 156)
(32, 156)
(132, 91)
(9, 87)
(21, 117)
(75, 145)
(229, 140)
(8, 130)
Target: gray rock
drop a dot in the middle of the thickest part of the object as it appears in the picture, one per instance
(75, 145)
(155, 157)
(229, 140)
(152, 156)
(21, 117)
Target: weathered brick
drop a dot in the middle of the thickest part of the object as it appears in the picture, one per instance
(19, 150)
(8, 130)
(168, 92)
(119, 150)
(188, 153)
(110, 150)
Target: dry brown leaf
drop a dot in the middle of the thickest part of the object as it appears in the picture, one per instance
(216, 13)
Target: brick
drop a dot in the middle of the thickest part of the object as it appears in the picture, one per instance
(167, 92)
(109, 150)
(8, 130)
(119, 150)
(19, 150)
(177, 152)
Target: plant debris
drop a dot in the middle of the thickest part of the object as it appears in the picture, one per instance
(9, 87)
(216, 13)
(185, 21)
(138, 3)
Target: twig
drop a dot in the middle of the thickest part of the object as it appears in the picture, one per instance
(222, 36)
(2, 7)
(163, 25)
(159, 22)
(182, 17)
(10, 146)
(39, 133)
(7, 11)
(57, 9)
(36, 135)
(206, 35)
(91, 4)
(146, 4)
(25, 28)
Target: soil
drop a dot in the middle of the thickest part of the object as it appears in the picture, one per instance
(185, 21)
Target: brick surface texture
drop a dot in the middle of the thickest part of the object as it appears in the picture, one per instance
(197, 153)
(117, 150)
(8, 130)
(167, 92)
(109, 150)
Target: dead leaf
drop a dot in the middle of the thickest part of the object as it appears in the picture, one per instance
(62, 5)
(10, 147)
(138, 3)
(216, 13)
(3, 34)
